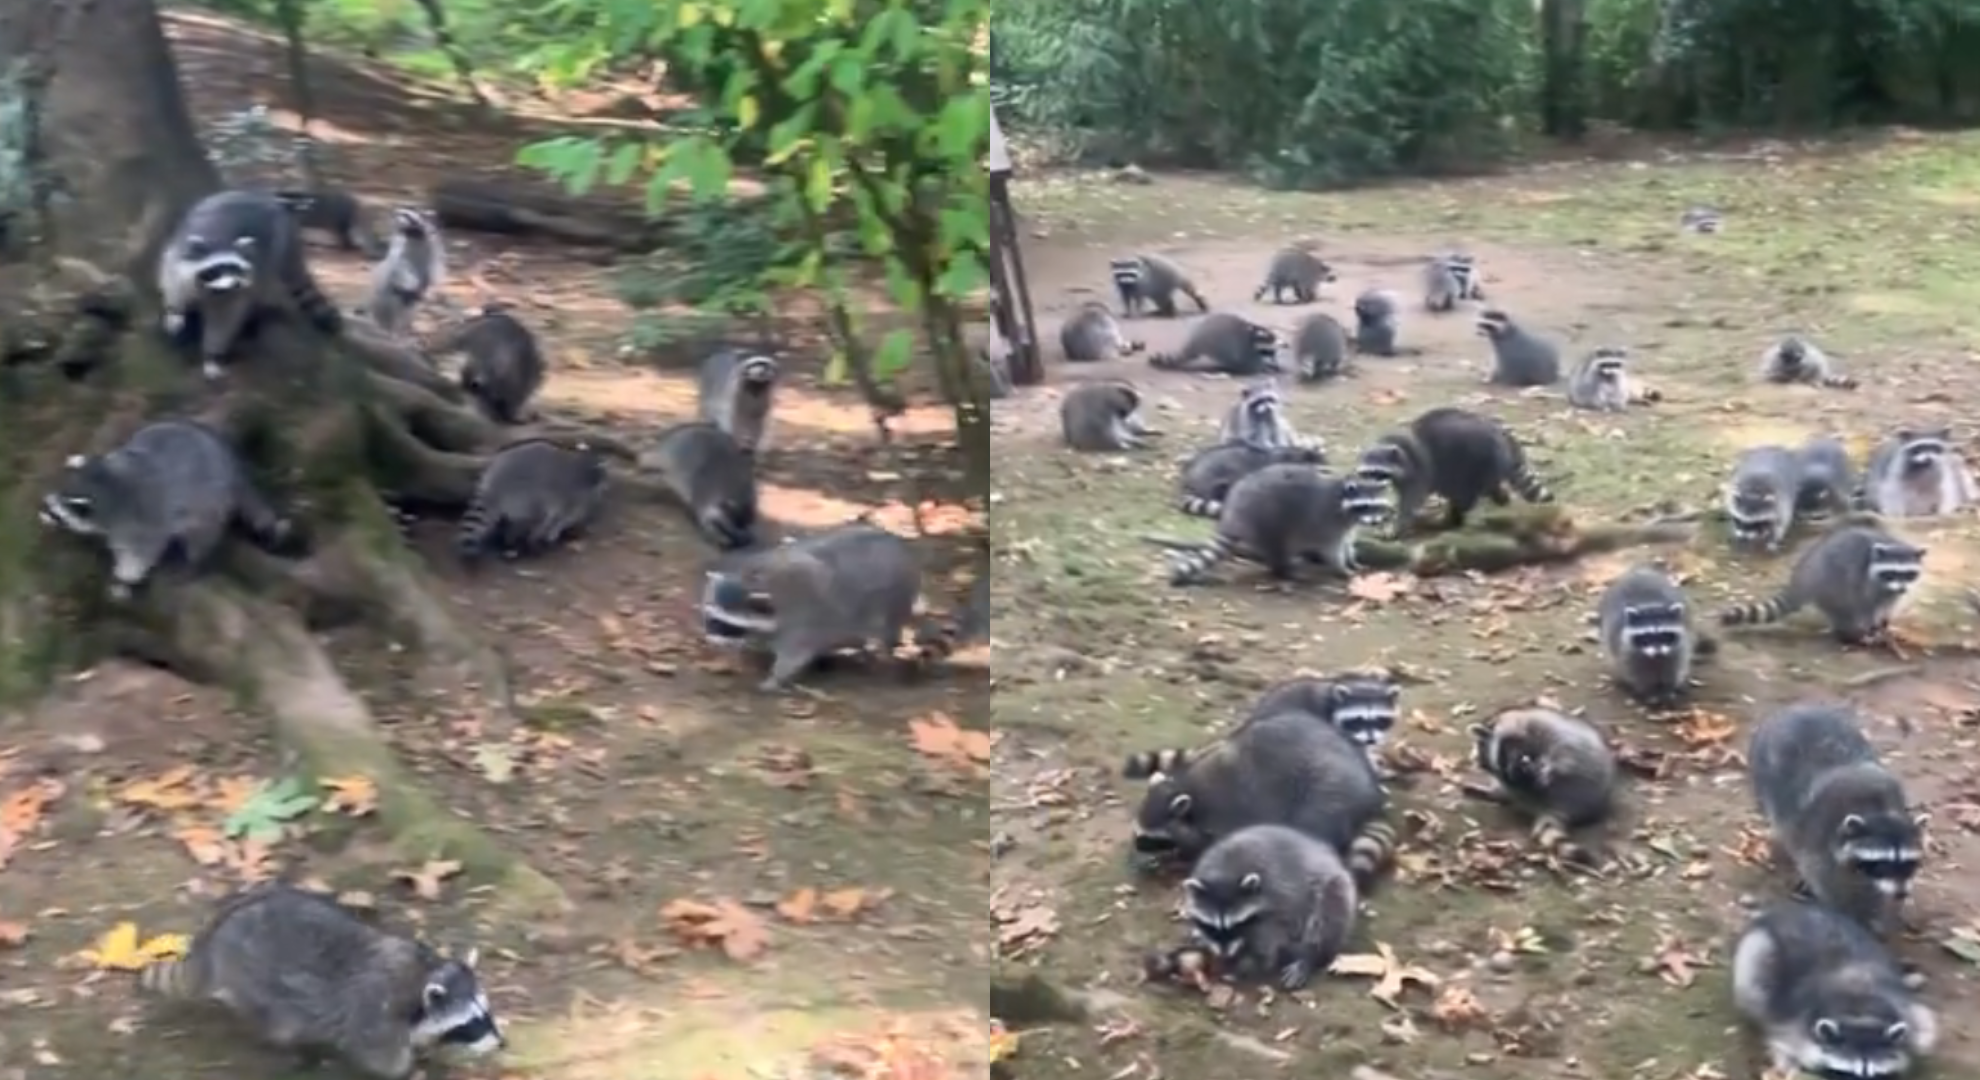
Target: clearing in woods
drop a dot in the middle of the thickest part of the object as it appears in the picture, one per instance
(742, 903)
(1502, 967)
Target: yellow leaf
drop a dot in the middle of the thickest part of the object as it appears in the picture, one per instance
(1003, 1044)
(748, 111)
(164, 947)
(120, 950)
(689, 15)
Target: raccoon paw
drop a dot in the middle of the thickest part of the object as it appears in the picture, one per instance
(173, 322)
(1296, 974)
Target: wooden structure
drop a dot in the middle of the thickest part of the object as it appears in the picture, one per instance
(1010, 302)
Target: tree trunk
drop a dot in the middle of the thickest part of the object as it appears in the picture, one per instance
(330, 425)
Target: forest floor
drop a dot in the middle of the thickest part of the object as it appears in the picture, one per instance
(1502, 968)
(761, 887)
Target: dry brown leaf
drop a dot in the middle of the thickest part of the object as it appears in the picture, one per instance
(353, 795)
(1380, 587)
(1675, 963)
(938, 736)
(233, 792)
(1391, 976)
(13, 935)
(175, 789)
(426, 881)
(1457, 1007)
(1701, 728)
(724, 924)
(799, 906)
(206, 845)
(846, 903)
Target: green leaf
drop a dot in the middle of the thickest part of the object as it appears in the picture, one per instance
(895, 354)
(838, 370)
(748, 112)
(818, 184)
(964, 277)
(1963, 945)
(624, 160)
(262, 817)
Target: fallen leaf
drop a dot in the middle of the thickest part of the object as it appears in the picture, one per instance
(356, 796)
(798, 906)
(1675, 963)
(231, 793)
(206, 846)
(1457, 1007)
(1380, 587)
(724, 924)
(176, 789)
(496, 762)
(937, 736)
(120, 949)
(1964, 942)
(265, 813)
(426, 881)
(1003, 1044)
(1391, 976)
(13, 935)
(1700, 728)
(846, 903)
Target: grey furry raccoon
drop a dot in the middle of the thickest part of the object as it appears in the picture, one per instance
(1855, 576)
(1459, 455)
(1093, 333)
(1555, 767)
(1519, 356)
(174, 485)
(337, 212)
(711, 477)
(1258, 417)
(1450, 278)
(1224, 343)
(1297, 271)
(1103, 417)
(1797, 360)
(1377, 322)
(845, 588)
(1283, 516)
(1836, 813)
(414, 267)
(1320, 348)
(1762, 495)
(1270, 902)
(1647, 634)
(1827, 996)
(1828, 480)
(1362, 706)
(1918, 472)
(308, 975)
(234, 256)
(1273, 770)
(736, 392)
(1700, 219)
(532, 496)
(504, 367)
(1208, 474)
(1151, 281)
(1600, 381)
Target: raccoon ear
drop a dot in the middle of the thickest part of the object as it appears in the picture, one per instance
(1630, 612)
(1192, 885)
(1480, 731)
(1904, 435)
(1339, 692)
(77, 461)
(1179, 806)
(1852, 825)
(1251, 883)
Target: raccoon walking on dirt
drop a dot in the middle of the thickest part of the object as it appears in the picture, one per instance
(1267, 903)
(1458, 455)
(1103, 417)
(1795, 359)
(711, 477)
(307, 975)
(1364, 707)
(1648, 637)
(504, 367)
(1520, 358)
(1836, 813)
(173, 486)
(1208, 474)
(1918, 472)
(1283, 516)
(1093, 334)
(1558, 769)
(1297, 271)
(413, 269)
(1151, 281)
(1762, 496)
(1600, 382)
(532, 497)
(1225, 344)
(337, 212)
(1320, 348)
(235, 256)
(737, 390)
(1855, 575)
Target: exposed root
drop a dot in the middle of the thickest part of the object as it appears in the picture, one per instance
(570, 435)
(386, 356)
(433, 419)
(465, 663)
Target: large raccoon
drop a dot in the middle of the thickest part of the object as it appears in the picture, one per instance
(1377, 322)
(1226, 344)
(1320, 348)
(1837, 814)
(414, 268)
(1762, 495)
(1449, 279)
(846, 588)
(1297, 271)
(1918, 472)
(1093, 333)
(1208, 474)
(504, 367)
(337, 212)
(1555, 767)
(172, 486)
(1828, 480)
(1270, 902)
(1827, 996)
(1151, 281)
(1362, 706)
(1854, 575)
(1273, 770)
(1519, 357)
(1601, 382)
(1103, 417)
(1258, 417)
(310, 976)
(1454, 453)
(234, 256)
(1647, 634)
(1797, 360)
(532, 496)
(736, 391)
(1285, 515)
(712, 478)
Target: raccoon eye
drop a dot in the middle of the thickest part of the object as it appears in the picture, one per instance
(1827, 1030)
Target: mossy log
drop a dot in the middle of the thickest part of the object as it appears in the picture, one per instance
(514, 207)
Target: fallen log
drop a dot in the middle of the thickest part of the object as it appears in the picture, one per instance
(514, 207)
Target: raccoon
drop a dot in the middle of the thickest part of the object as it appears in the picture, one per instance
(1377, 321)
(1519, 357)
(1363, 707)
(1454, 453)
(310, 976)
(414, 268)
(1093, 333)
(1827, 996)
(1258, 417)
(1797, 360)
(1918, 472)
(172, 486)
(1647, 634)
(234, 256)
(1297, 271)
(1151, 281)
(1449, 279)
(1227, 344)
(1855, 576)
(337, 212)
(1283, 515)
(1700, 219)
(1208, 474)
(1273, 770)
(1557, 768)
(532, 497)
(1762, 495)
(712, 478)
(1270, 902)
(736, 391)
(845, 588)
(1836, 813)
(1601, 382)
(938, 637)
(1103, 417)
(504, 367)
(1320, 348)
(1828, 480)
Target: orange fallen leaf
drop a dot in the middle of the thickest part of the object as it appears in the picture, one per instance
(798, 906)
(1457, 1007)
(1380, 587)
(426, 881)
(234, 792)
(21, 811)
(13, 935)
(1675, 963)
(1391, 975)
(175, 789)
(724, 924)
(206, 845)
(846, 903)
(937, 736)
(353, 795)
(1700, 728)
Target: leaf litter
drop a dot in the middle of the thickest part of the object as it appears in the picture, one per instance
(722, 924)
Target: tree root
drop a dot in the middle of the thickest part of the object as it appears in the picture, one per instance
(463, 661)
(431, 418)
(393, 359)
(415, 471)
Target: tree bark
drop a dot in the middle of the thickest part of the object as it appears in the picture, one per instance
(329, 425)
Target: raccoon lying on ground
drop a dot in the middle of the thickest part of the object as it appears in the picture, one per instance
(1555, 767)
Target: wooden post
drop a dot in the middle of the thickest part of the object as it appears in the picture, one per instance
(1015, 320)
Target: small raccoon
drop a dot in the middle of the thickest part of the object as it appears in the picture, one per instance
(736, 391)
(1151, 281)
(1363, 707)
(234, 256)
(504, 367)
(1762, 495)
(1320, 348)
(1519, 357)
(532, 496)
(712, 478)
(1797, 360)
(1377, 322)
(1208, 474)
(1918, 473)
(1102, 417)
(1297, 271)
(1284, 515)
(1855, 576)
(1269, 902)
(1647, 634)
(339, 213)
(1827, 996)
(1449, 279)
(1837, 814)
(414, 268)
(1227, 344)
(1459, 455)
(1273, 770)
(1259, 417)
(1828, 480)
(172, 486)
(1555, 767)
(1093, 333)
(1701, 219)
(845, 588)
(1601, 382)
(310, 976)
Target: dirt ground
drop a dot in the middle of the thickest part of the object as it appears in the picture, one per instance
(1503, 967)
(830, 847)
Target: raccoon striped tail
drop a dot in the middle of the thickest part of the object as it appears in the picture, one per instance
(1839, 382)
(1529, 486)
(1760, 614)
(1162, 361)
(1371, 852)
(477, 533)
(1148, 763)
(319, 309)
(1189, 567)
(1551, 834)
(168, 978)
(1196, 506)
